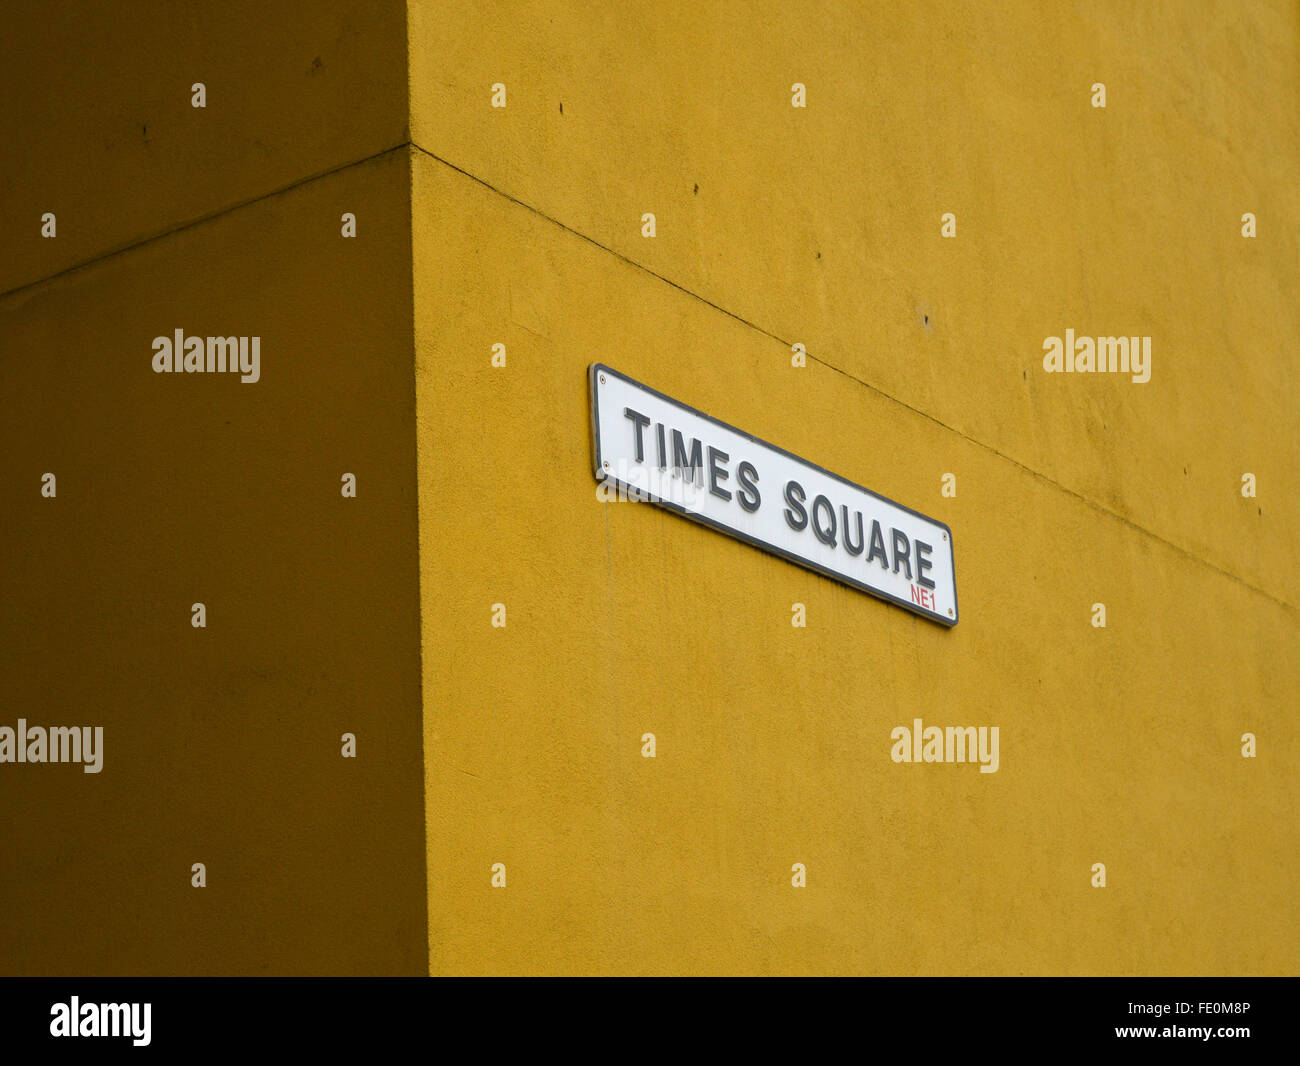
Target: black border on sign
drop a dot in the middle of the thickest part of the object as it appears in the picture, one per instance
(600, 368)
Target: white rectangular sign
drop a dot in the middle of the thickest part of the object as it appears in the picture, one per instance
(650, 447)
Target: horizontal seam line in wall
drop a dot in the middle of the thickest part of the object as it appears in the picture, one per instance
(198, 221)
(866, 384)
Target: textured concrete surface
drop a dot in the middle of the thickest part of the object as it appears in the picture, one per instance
(522, 745)
(777, 225)
(222, 744)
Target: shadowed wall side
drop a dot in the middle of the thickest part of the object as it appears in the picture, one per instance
(223, 743)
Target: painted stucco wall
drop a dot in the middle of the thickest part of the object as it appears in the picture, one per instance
(776, 225)
(222, 745)
(522, 744)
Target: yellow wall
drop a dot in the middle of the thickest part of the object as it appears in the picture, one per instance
(522, 745)
(100, 129)
(1118, 745)
(222, 745)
